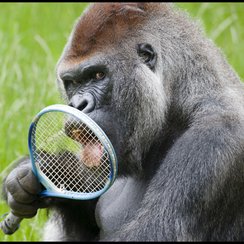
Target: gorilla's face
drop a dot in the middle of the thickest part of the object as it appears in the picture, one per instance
(115, 78)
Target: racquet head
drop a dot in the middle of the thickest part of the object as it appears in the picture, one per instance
(71, 155)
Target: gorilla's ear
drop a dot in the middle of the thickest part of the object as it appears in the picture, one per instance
(147, 54)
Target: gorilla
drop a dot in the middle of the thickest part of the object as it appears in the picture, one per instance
(172, 107)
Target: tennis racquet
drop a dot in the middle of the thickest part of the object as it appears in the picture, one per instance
(71, 157)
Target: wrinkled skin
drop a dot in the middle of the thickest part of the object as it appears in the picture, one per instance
(173, 109)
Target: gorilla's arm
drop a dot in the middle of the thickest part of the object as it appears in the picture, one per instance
(198, 187)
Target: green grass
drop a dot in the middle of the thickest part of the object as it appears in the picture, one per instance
(223, 23)
(32, 37)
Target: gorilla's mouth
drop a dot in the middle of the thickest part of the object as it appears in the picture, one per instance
(82, 135)
(92, 149)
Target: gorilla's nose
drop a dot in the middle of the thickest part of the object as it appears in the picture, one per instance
(84, 102)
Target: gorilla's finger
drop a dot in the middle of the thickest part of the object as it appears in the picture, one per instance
(28, 180)
(21, 210)
(18, 193)
(22, 184)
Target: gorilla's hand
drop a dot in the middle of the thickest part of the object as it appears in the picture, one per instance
(21, 190)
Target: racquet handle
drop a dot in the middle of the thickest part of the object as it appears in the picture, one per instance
(10, 224)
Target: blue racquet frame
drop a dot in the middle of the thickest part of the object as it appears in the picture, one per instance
(52, 191)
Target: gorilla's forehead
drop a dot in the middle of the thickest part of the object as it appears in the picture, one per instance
(105, 24)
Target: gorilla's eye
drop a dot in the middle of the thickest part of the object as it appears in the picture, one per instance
(74, 82)
(147, 54)
(146, 57)
(99, 75)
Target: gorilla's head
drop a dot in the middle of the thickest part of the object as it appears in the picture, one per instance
(120, 66)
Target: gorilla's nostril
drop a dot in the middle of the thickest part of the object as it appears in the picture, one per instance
(85, 102)
(83, 105)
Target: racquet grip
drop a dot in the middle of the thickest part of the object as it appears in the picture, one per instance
(10, 224)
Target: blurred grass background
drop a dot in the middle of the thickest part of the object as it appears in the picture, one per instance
(32, 37)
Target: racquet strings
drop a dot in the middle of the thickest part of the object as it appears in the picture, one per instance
(68, 154)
